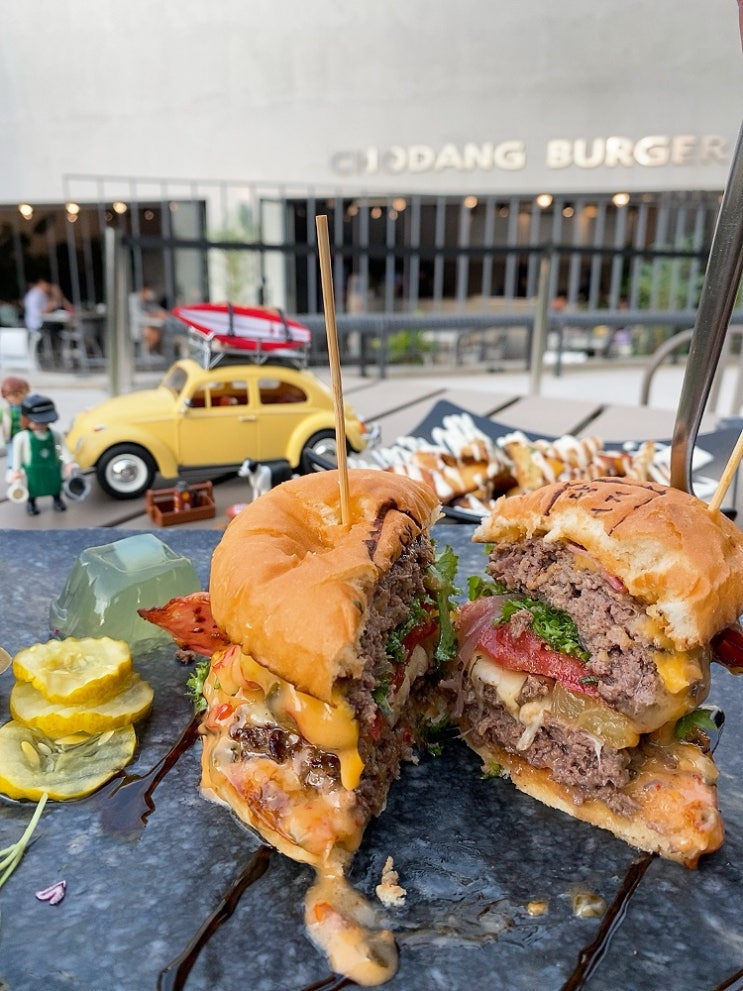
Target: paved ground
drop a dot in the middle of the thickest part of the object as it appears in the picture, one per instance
(606, 382)
(602, 399)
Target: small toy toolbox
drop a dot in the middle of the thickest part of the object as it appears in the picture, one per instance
(181, 504)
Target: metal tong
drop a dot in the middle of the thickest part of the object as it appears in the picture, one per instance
(719, 289)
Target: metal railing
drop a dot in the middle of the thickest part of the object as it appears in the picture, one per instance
(375, 331)
(366, 340)
(681, 342)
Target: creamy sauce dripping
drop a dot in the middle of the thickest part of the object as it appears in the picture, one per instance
(343, 925)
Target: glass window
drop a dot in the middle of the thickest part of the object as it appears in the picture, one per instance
(175, 379)
(215, 394)
(277, 391)
(234, 393)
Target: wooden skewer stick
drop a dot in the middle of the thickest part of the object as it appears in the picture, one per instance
(727, 476)
(331, 329)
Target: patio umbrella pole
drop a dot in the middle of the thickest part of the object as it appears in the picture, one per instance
(719, 289)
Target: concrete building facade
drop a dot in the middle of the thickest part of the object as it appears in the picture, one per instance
(427, 133)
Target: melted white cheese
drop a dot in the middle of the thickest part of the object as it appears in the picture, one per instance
(507, 683)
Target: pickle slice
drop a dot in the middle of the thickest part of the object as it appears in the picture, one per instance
(594, 717)
(32, 763)
(75, 671)
(29, 706)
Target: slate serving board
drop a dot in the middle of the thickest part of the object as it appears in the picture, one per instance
(472, 854)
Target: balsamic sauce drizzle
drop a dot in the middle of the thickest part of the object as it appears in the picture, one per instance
(591, 956)
(333, 982)
(732, 983)
(173, 976)
(126, 801)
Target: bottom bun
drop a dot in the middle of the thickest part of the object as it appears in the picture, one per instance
(312, 834)
(677, 815)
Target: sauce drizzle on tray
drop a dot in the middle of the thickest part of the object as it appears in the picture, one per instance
(591, 956)
(126, 801)
(173, 977)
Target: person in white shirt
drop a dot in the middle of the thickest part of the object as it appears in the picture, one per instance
(43, 298)
(38, 301)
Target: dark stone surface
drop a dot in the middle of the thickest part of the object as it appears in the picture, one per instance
(470, 852)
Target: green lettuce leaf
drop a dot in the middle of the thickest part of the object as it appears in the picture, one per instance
(553, 626)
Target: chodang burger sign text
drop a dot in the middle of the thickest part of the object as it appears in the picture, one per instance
(652, 151)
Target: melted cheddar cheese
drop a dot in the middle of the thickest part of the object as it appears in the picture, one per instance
(328, 726)
(679, 670)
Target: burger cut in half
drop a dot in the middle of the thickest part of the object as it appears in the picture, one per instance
(585, 654)
(326, 638)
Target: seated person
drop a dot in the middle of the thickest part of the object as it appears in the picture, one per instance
(151, 326)
(41, 299)
(146, 319)
(37, 302)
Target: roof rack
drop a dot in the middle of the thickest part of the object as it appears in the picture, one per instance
(209, 352)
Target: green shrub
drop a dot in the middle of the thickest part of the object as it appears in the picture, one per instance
(407, 347)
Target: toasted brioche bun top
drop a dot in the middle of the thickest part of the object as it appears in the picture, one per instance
(292, 585)
(682, 561)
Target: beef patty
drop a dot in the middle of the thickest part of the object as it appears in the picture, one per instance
(574, 758)
(621, 657)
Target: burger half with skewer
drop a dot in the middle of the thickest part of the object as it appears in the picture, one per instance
(325, 642)
(327, 634)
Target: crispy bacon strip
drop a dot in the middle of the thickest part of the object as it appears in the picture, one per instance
(727, 647)
(188, 619)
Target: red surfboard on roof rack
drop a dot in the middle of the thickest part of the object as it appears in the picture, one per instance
(256, 333)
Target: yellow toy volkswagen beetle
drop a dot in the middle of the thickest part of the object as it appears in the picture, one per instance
(210, 418)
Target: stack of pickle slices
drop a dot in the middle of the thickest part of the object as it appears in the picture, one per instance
(73, 707)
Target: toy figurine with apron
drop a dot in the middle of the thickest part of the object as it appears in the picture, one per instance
(39, 452)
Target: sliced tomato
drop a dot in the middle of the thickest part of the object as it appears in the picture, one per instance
(375, 730)
(419, 634)
(530, 654)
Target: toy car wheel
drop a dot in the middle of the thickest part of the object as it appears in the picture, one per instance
(320, 452)
(126, 471)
